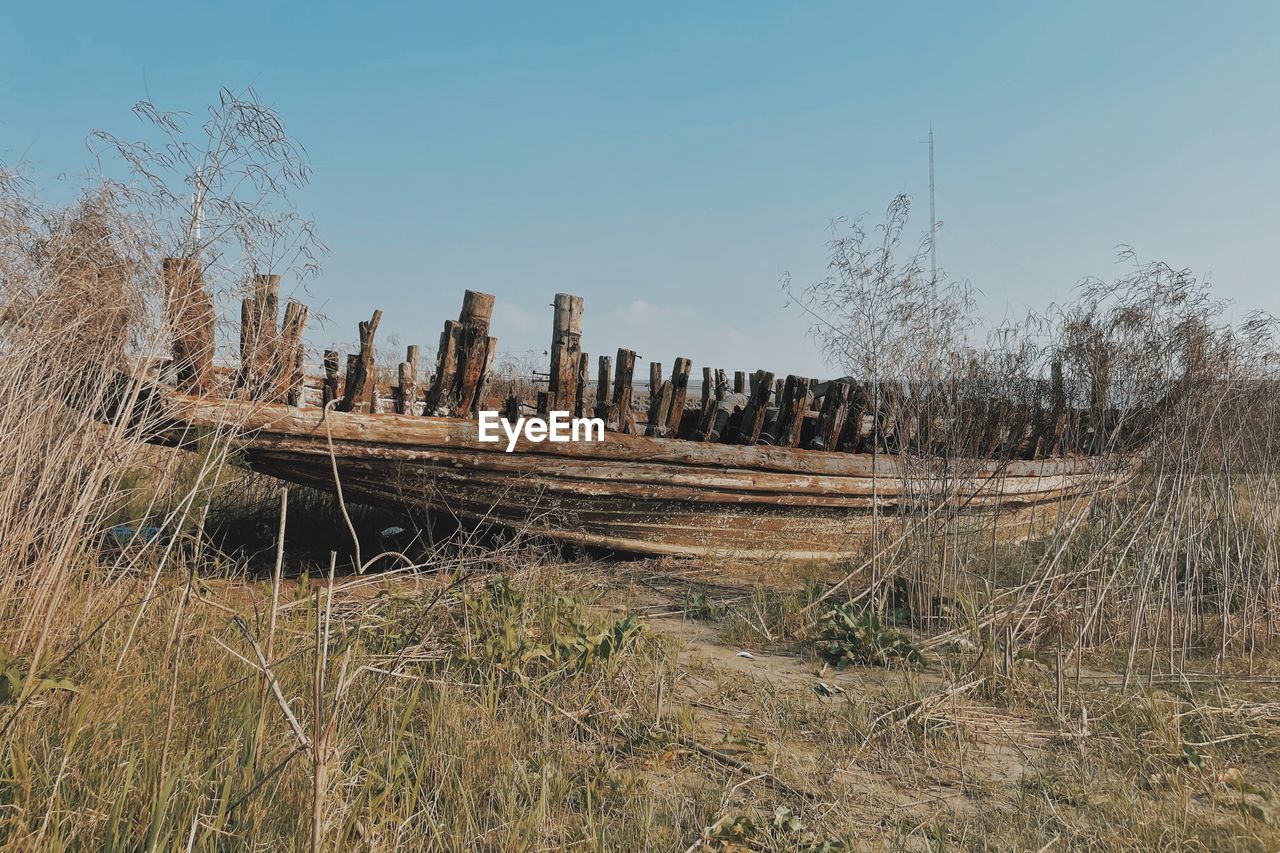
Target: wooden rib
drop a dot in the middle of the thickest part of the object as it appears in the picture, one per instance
(791, 410)
(566, 338)
(835, 413)
(473, 349)
(441, 396)
(189, 311)
(359, 393)
(289, 371)
(679, 391)
(622, 391)
(604, 399)
(583, 383)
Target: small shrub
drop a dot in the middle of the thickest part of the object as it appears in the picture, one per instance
(854, 635)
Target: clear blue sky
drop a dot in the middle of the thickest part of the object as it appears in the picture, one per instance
(670, 161)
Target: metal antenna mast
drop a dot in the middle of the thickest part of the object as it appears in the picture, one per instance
(933, 219)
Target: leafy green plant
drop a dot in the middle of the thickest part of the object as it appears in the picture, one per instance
(850, 634)
(550, 636)
(785, 830)
(698, 605)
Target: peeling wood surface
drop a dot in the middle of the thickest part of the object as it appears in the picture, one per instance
(637, 493)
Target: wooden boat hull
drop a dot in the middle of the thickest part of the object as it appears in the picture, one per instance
(637, 494)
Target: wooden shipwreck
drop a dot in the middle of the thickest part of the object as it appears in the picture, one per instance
(753, 466)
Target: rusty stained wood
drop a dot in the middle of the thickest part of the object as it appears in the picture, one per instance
(189, 311)
(566, 345)
(359, 395)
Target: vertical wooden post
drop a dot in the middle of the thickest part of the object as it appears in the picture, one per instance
(792, 406)
(359, 393)
(739, 382)
(622, 391)
(835, 411)
(259, 338)
(189, 310)
(566, 344)
(584, 382)
(289, 373)
(491, 349)
(654, 414)
(757, 407)
(407, 389)
(330, 392)
(679, 391)
(473, 350)
(603, 397)
(1052, 443)
(441, 396)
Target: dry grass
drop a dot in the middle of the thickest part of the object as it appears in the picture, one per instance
(1105, 684)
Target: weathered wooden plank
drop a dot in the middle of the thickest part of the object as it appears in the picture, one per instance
(623, 370)
(359, 393)
(392, 433)
(739, 382)
(566, 344)
(189, 312)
